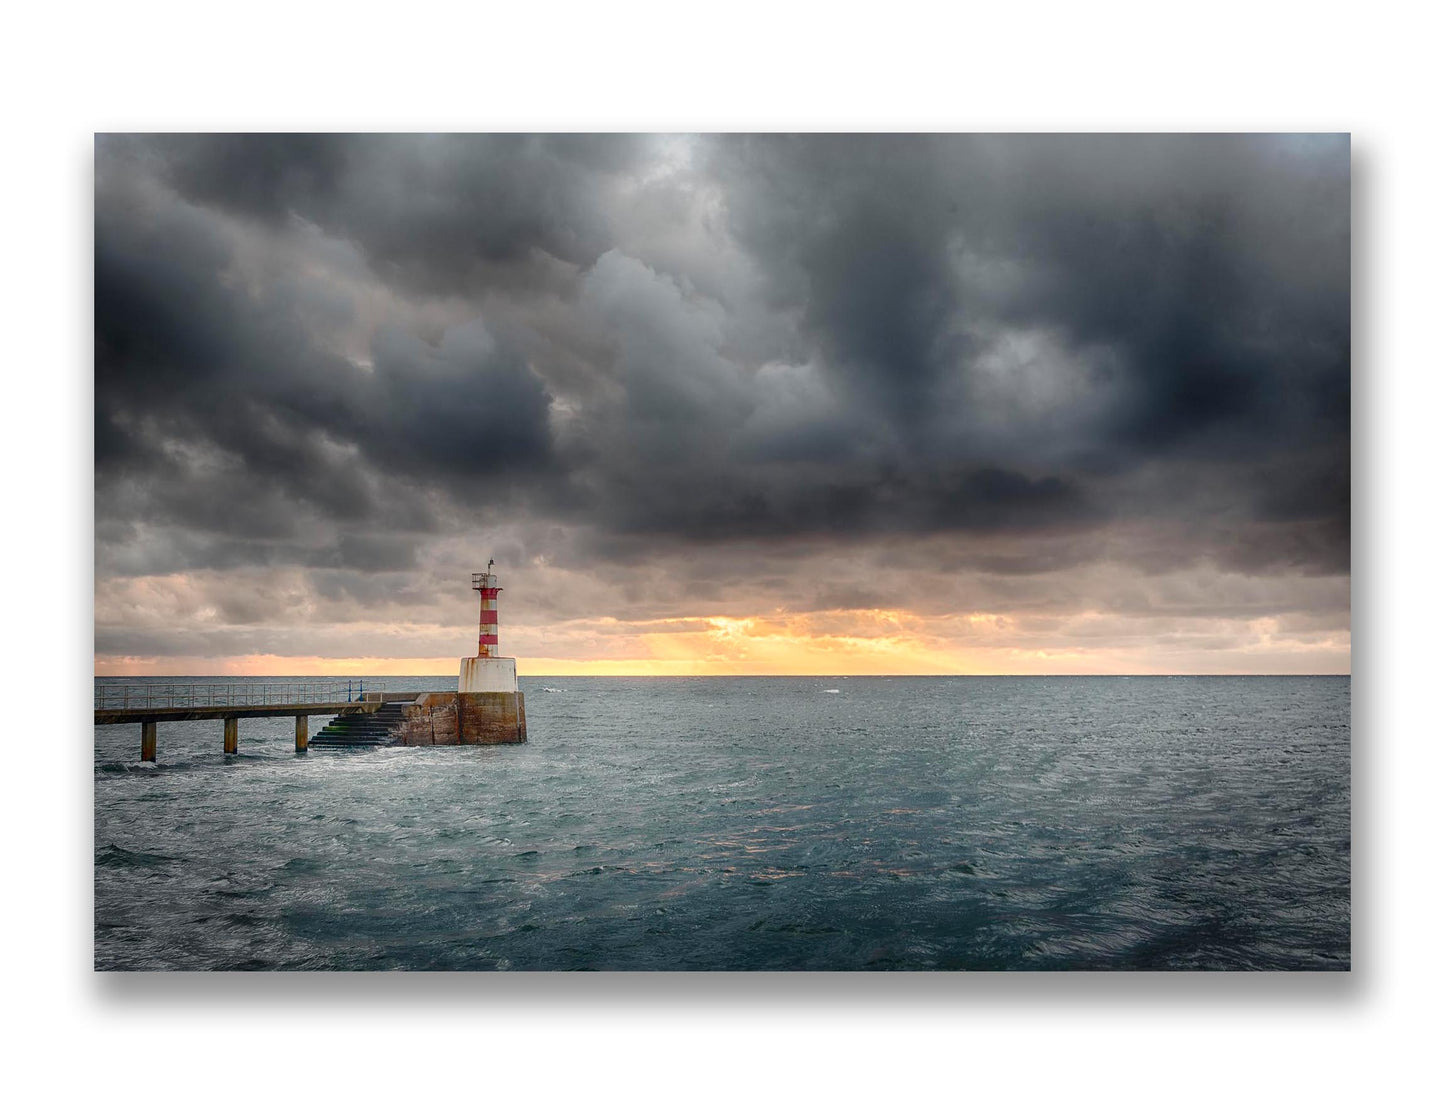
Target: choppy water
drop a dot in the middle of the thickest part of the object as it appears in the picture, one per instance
(789, 823)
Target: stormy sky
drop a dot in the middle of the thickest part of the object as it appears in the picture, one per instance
(732, 404)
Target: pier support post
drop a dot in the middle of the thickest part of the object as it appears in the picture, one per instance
(301, 737)
(231, 739)
(148, 741)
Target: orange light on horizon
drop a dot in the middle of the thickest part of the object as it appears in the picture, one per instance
(834, 642)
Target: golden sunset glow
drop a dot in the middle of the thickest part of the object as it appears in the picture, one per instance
(839, 642)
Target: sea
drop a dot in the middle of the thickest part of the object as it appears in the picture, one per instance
(829, 823)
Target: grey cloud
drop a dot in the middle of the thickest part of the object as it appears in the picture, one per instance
(224, 408)
(1214, 268)
(436, 213)
(332, 351)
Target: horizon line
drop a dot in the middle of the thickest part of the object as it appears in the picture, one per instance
(814, 674)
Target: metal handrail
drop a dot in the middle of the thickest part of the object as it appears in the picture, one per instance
(155, 695)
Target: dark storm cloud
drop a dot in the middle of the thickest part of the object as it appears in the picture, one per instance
(269, 175)
(771, 505)
(462, 413)
(669, 343)
(437, 214)
(1215, 269)
(225, 406)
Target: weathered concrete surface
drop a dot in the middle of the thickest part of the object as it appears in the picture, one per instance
(437, 719)
(432, 720)
(492, 718)
(487, 675)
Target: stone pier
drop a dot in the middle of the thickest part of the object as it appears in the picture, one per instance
(449, 719)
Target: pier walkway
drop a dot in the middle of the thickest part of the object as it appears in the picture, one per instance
(148, 704)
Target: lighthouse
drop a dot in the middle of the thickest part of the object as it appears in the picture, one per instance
(488, 672)
(490, 709)
(487, 707)
(485, 583)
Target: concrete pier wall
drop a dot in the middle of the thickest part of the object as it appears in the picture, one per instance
(432, 720)
(445, 719)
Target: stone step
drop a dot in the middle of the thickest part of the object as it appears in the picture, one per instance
(362, 730)
(328, 746)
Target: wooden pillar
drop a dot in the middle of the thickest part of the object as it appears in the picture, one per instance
(231, 737)
(147, 741)
(301, 738)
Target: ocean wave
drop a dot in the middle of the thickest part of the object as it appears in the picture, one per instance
(118, 857)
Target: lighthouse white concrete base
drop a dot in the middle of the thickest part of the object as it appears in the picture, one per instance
(488, 675)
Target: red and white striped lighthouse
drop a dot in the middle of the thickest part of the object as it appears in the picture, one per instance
(486, 583)
(487, 672)
(489, 706)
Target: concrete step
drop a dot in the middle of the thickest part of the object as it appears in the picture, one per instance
(328, 746)
(362, 730)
